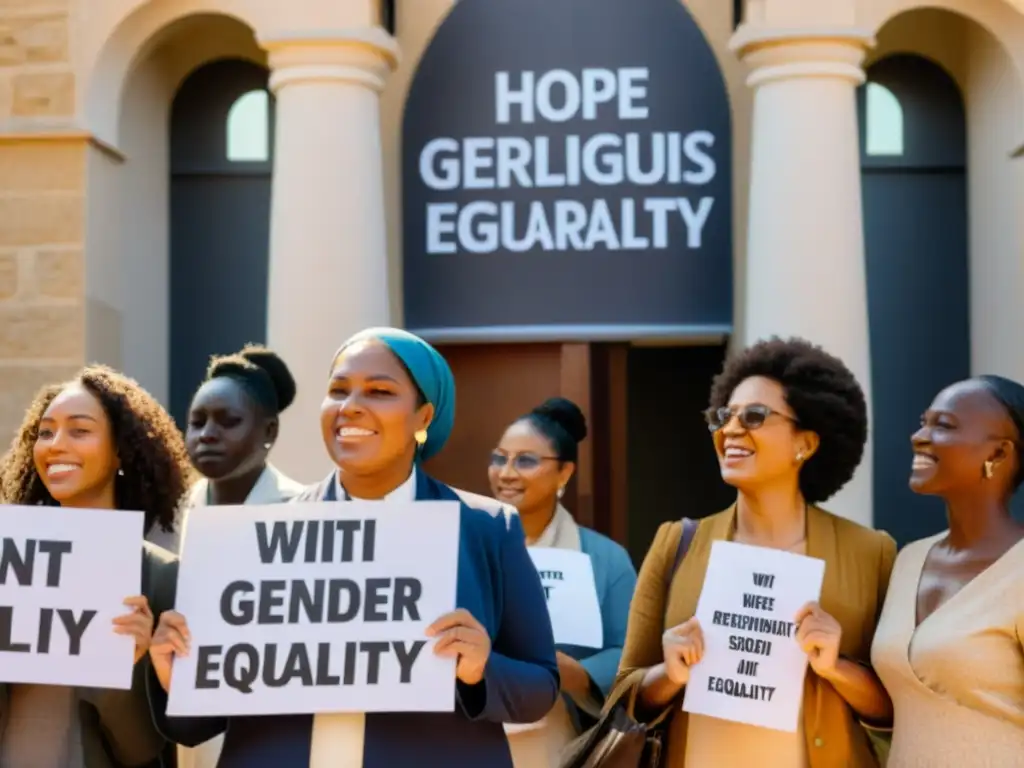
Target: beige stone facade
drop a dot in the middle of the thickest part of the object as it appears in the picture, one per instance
(42, 204)
(85, 93)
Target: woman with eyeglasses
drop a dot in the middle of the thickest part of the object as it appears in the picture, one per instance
(950, 643)
(788, 423)
(530, 469)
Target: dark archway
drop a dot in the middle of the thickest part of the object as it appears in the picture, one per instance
(914, 178)
(221, 158)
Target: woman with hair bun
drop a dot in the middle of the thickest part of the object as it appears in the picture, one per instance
(530, 469)
(233, 423)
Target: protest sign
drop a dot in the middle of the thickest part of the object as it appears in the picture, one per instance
(568, 580)
(314, 607)
(64, 575)
(753, 669)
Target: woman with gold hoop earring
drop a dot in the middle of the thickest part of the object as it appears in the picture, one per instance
(389, 407)
(949, 642)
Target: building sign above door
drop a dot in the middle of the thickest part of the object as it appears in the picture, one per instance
(567, 173)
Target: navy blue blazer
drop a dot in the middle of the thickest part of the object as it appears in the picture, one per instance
(499, 586)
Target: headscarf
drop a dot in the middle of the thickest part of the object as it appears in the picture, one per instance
(429, 371)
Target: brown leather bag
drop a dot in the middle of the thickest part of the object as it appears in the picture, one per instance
(619, 740)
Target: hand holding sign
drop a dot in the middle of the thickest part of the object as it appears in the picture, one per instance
(682, 646)
(171, 639)
(818, 634)
(138, 624)
(462, 636)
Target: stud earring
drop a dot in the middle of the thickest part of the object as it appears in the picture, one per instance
(120, 472)
(800, 457)
(988, 470)
(268, 445)
(561, 492)
(420, 436)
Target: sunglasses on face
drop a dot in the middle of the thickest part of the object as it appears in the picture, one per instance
(750, 416)
(521, 462)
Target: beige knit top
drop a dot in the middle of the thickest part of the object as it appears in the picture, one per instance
(957, 680)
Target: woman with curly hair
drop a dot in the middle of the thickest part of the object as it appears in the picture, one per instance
(99, 441)
(788, 423)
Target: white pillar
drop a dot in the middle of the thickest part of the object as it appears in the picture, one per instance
(805, 271)
(328, 258)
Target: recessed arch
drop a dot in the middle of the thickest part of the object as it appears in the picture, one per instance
(220, 177)
(915, 200)
(122, 43)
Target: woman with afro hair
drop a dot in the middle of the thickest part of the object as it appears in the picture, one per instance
(788, 423)
(99, 441)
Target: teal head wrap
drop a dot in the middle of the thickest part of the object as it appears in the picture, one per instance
(429, 371)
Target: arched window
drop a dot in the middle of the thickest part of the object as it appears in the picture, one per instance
(248, 128)
(884, 122)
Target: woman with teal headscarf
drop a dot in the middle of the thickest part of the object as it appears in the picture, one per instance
(390, 405)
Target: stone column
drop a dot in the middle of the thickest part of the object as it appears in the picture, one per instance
(328, 257)
(805, 271)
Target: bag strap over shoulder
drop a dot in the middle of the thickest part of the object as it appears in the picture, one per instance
(689, 531)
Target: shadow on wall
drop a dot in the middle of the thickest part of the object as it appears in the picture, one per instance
(673, 472)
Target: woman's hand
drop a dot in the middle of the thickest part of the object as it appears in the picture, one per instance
(819, 635)
(461, 636)
(575, 679)
(171, 639)
(138, 623)
(682, 646)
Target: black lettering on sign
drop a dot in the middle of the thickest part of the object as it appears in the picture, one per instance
(23, 564)
(758, 602)
(757, 624)
(747, 667)
(74, 628)
(740, 690)
(551, 575)
(321, 601)
(299, 664)
(320, 540)
(764, 580)
(754, 645)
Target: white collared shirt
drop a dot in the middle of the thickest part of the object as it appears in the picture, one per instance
(338, 739)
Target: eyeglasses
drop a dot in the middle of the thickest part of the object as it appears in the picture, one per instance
(521, 462)
(750, 416)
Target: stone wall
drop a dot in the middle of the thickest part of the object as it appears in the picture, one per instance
(42, 205)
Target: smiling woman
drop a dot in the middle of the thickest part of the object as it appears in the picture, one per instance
(788, 424)
(530, 467)
(390, 405)
(99, 441)
(948, 646)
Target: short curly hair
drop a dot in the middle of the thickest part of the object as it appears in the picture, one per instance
(149, 445)
(825, 398)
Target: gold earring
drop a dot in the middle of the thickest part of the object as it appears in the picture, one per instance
(420, 436)
(800, 456)
(988, 470)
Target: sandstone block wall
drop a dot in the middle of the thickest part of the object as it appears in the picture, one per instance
(42, 206)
